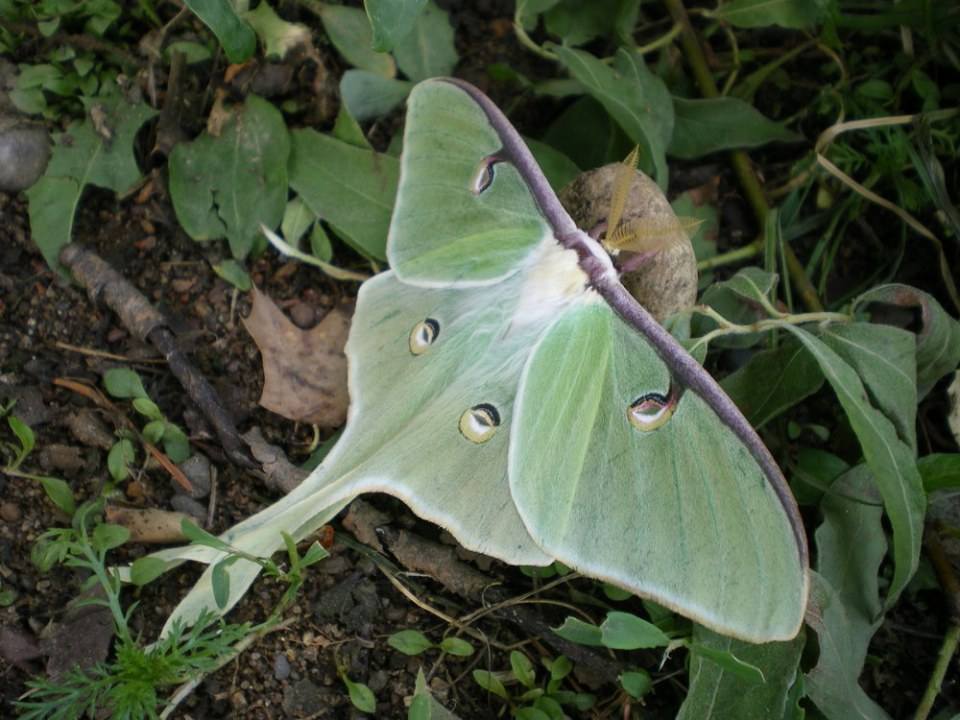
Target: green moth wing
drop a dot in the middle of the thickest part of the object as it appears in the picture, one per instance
(680, 513)
(460, 217)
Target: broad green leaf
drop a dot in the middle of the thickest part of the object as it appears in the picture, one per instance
(234, 273)
(717, 693)
(107, 537)
(636, 98)
(226, 186)
(59, 493)
(123, 383)
(121, 456)
(147, 407)
(558, 168)
(587, 118)
(347, 128)
(361, 696)
(528, 11)
(175, 443)
(531, 713)
(938, 339)
(83, 156)
(236, 37)
(350, 33)
(277, 35)
(726, 660)
(221, 583)
(577, 22)
(392, 20)
(623, 631)
(885, 359)
(637, 683)
(738, 300)
(578, 631)
(428, 50)
(456, 646)
(814, 473)
(409, 642)
(522, 669)
(489, 682)
(890, 459)
(845, 597)
(351, 188)
(146, 569)
(796, 14)
(153, 431)
(194, 52)
(320, 246)
(709, 125)
(773, 381)
(424, 707)
(940, 471)
(368, 95)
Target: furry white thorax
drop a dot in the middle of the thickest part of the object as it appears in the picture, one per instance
(554, 279)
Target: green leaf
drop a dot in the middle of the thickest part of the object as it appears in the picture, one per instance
(351, 188)
(107, 537)
(885, 359)
(220, 581)
(347, 128)
(489, 682)
(845, 602)
(728, 662)
(578, 631)
(392, 20)
(425, 707)
(368, 95)
(773, 381)
(148, 408)
(237, 39)
(938, 339)
(277, 35)
(226, 186)
(522, 669)
(123, 383)
(175, 443)
(24, 434)
(315, 553)
(586, 117)
(636, 98)
(194, 52)
(560, 668)
(890, 460)
(637, 683)
(199, 536)
(153, 431)
(458, 647)
(716, 693)
(320, 245)
(234, 273)
(558, 168)
(738, 300)
(361, 696)
(531, 713)
(146, 569)
(350, 33)
(428, 50)
(121, 456)
(83, 156)
(706, 126)
(409, 642)
(578, 22)
(940, 471)
(59, 493)
(297, 219)
(623, 631)
(795, 14)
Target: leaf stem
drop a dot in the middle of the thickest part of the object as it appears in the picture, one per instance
(527, 41)
(779, 319)
(749, 181)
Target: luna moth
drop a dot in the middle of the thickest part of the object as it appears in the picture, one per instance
(506, 387)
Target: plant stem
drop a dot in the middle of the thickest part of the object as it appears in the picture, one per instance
(951, 587)
(749, 181)
(731, 256)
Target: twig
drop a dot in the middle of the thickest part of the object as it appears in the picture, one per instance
(147, 324)
(951, 587)
(60, 345)
(749, 181)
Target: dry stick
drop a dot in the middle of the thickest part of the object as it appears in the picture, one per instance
(148, 324)
(738, 158)
(951, 587)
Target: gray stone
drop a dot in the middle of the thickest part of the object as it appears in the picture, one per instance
(24, 152)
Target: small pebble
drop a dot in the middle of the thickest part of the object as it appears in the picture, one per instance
(303, 315)
(281, 667)
(186, 504)
(10, 512)
(24, 151)
(197, 469)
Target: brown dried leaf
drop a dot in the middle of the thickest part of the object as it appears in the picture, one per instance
(304, 371)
